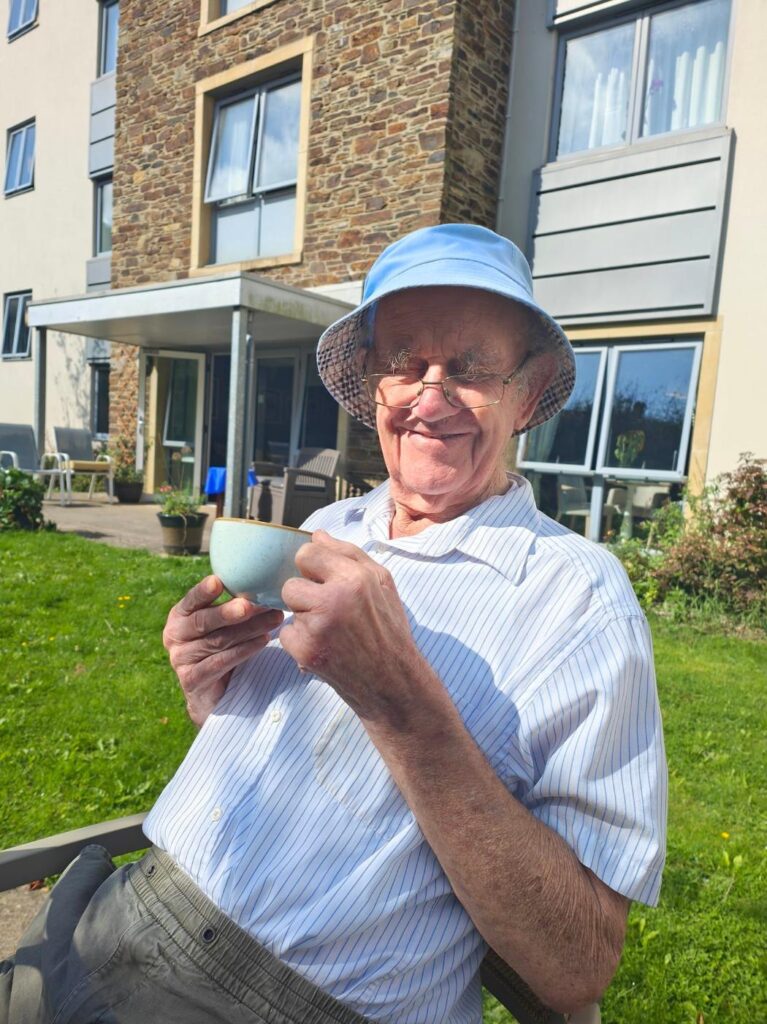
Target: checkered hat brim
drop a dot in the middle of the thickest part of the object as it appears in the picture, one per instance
(341, 355)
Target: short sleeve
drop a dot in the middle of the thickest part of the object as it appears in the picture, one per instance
(593, 734)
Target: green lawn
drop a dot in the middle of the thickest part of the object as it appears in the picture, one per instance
(92, 725)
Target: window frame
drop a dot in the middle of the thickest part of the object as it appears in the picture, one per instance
(20, 129)
(642, 19)
(296, 57)
(24, 26)
(255, 194)
(676, 475)
(612, 348)
(99, 184)
(104, 5)
(15, 353)
(568, 467)
(99, 367)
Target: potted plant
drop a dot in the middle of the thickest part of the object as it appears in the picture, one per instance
(128, 481)
(181, 521)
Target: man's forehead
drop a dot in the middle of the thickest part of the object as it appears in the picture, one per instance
(464, 319)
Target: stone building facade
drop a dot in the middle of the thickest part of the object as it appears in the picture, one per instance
(406, 126)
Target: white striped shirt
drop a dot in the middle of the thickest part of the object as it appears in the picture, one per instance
(285, 815)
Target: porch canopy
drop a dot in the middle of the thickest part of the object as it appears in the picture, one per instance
(224, 313)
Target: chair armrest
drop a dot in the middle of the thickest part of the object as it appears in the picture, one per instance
(58, 457)
(13, 456)
(508, 988)
(295, 471)
(49, 856)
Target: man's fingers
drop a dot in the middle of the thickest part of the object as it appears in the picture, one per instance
(202, 595)
(218, 665)
(300, 595)
(230, 636)
(323, 539)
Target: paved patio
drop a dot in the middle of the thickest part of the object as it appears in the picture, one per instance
(123, 526)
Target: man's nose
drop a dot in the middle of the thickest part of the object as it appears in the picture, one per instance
(432, 404)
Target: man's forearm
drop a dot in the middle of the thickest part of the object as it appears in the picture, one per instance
(530, 898)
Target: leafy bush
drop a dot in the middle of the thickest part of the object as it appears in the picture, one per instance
(21, 501)
(712, 561)
(722, 553)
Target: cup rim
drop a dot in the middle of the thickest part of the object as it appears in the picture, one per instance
(258, 522)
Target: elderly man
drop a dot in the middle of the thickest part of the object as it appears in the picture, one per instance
(452, 741)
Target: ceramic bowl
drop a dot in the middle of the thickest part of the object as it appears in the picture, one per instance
(254, 559)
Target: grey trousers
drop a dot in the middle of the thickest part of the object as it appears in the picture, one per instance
(142, 944)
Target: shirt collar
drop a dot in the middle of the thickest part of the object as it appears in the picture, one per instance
(500, 532)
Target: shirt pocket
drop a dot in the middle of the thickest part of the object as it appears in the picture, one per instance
(348, 766)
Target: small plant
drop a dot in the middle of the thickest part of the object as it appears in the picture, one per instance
(122, 451)
(21, 501)
(174, 502)
(628, 446)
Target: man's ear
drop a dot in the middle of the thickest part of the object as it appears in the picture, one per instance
(540, 373)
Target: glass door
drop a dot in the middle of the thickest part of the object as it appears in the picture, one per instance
(179, 390)
(277, 399)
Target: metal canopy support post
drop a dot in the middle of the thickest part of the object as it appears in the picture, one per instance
(140, 441)
(41, 361)
(236, 468)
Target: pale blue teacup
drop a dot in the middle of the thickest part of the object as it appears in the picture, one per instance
(254, 559)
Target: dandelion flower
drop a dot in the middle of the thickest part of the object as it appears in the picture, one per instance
(725, 835)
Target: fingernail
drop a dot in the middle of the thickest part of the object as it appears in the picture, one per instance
(211, 584)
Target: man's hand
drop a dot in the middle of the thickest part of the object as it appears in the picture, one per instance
(350, 628)
(207, 643)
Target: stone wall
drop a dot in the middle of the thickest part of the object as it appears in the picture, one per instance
(378, 126)
(477, 111)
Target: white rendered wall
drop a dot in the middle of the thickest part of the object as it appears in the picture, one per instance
(46, 234)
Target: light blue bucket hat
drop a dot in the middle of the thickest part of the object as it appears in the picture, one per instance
(461, 255)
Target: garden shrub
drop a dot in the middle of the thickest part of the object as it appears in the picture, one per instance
(722, 552)
(21, 501)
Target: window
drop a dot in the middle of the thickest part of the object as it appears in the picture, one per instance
(15, 331)
(661, 71)
(103, 216)
(100, 399)
(227, 6)
(253, 171)
(20, 158)
(637, 399)
(22, 15)
(108, 30)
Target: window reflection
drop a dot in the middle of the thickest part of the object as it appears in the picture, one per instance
(595, 98)
(564, 438)
(685, 73)
(648, 409)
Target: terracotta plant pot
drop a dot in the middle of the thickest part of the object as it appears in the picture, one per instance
(182, 535)
(128, 491)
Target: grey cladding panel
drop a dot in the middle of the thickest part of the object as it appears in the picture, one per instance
(102, 125)
(568, 10)
(101, 156)
(635, 233)
(630, 294)
(103, 93)
(664, 191)
(642, 241)
(98, 272)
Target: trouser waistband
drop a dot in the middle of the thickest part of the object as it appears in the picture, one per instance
(226, 953)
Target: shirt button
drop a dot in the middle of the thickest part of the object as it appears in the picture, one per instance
(379, 549)
(215, 814)
(276, 715)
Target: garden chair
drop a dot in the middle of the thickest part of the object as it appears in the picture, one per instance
(23, 864)
(303, 488)
(18, 448)
(572, 500)
(76, 447)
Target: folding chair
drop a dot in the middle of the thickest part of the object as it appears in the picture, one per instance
(18, 448)
(76, 447)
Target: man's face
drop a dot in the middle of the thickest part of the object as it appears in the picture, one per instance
(443, 459)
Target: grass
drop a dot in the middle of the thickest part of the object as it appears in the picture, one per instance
(92, 725)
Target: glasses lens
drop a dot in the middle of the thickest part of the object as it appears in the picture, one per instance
(470, 392)
(399, 391)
